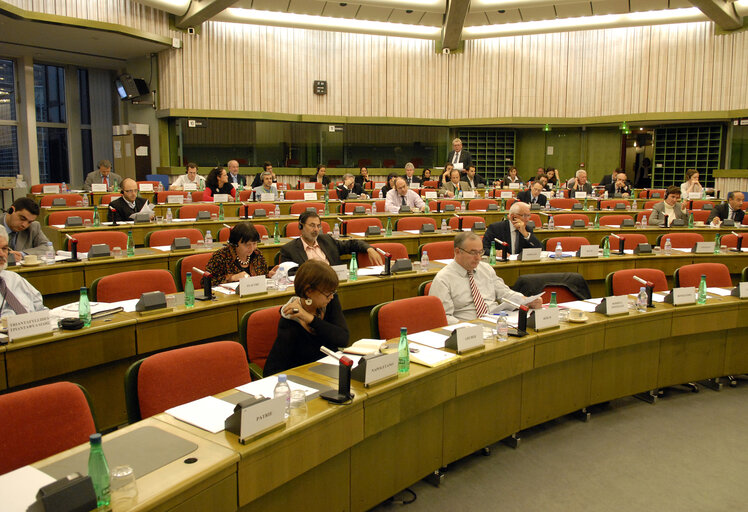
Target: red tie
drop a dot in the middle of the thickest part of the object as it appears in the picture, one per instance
(480, 304)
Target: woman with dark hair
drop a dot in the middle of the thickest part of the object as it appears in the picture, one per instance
(363, 178)
(446, 176)
(217, 182)
(553, 176)
(391, 177)
(239, 258)
(426, 175)
(309, 320)
(320, 177)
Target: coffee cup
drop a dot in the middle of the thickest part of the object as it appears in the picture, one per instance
(30, 259)
(576, 315)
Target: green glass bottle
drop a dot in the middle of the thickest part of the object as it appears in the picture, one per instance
(353, 268)
(553, 303)
(276, 234)
(115, 186)
(690, 220)
(585, 204)
(426, 208)
(503, 202)
(189, 292)
(403, 352)
(130, 244)
(702, 290)
(96, 219)
(388, 229)
(84, 307)
(98, 470)
(327, 203)
(606, 248)
(717, 242)
(220, 211)
(492, 254)
(597, 220)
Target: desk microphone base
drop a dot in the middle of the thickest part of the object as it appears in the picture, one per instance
(516, 332)
(335, 397)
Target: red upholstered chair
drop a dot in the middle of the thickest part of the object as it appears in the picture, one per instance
(424, 288)
(386, 319)
(189, 211)
(292, 228)
(732, 241)
(166, 236)
(317, 185)
(717, 274)
(654, 191)
(380, 205)
(438, 250)
(197, 196)
(175, 377)
(414, 223)
(535, 218)
(223, 234)
(700, 215)
(185, 265)
(397, 250)
(259, 328)
(649, 204)
(481, 204)
(562, 294)
(640, 215)
(430, 184)
(610, 204)
(642, 194)
(163, 196)
(39, 422)
(332, 193)
(613, 220)
(88, 238)
(622, 282)
(349, 207)
(299, 208)
(360, 225)
(443, 203)
(108, 198)
(566, 219)
(563, 203)
(568, 243)
(295, 195)
(467, 221)
(245, 195)
(70, 199)
(681, 240)
(59, 218)
(697, 204)
(496, 192)
(131, 285)
(39, 188)
(630, 241)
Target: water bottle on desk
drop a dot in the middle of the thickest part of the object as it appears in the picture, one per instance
(283, 391)
(559, 251)
(336, 231)
(277, 212)
(98, 470)
(668, 246)
(208, 239)
(130, 244)
(353, 268)
(553, 303)
(189, 291)
(444, 228)
(492, 254)
(49, 254)
(281, 196)
(85, 201)
(551, 223)
(169, 216)
(641, 300)
(374, 208)
(502, 327)
(188, 197)
(84, 307)
(702, 290)
(644, 221)
(425, 261)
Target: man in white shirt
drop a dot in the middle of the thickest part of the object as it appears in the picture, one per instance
(189, 178)
(401, 195)
(468, 287)
(17, 296)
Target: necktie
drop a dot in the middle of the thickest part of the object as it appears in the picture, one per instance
(105, 181)
(12, 240)
(456, 159)
(480, 304)
(516, 243)
(403, 198)
(11, 299)
(732, 213)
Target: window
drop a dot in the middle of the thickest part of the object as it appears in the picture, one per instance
(51, 117)
(86, 141)
(8, 121)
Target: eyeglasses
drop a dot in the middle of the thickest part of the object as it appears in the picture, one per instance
(329, 295)
(472, 253)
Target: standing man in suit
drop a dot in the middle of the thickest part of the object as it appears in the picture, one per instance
(129, 204)
(459, 156)
(513, 230)
(103, 175)
(732, 209)
(234, 176)
(472, 179)
(25, 234)
(315, 245)
(410, 177)
(668, 207)
(533, 195)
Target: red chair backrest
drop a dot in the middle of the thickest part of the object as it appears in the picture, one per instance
(59, 218)
(568, 243)
(332, 194)
(649, 204)
(88, 238)
(566, 219)
(640, 215)
(443, 203)
(732, 241)
(536, 219)
(360, 225)
(681, 240)
(563, 203)
(223, 234)
(108, 198)
(496, 192)
(623, 281)
(70, 199)
(39, 422)
(251, 207)
(717, 274)
(700, 215)
(439, 250)
(414, 222)
(189, 211)
(467, 221)
(697, 204)
(613, 220)
(399, 313)
(397, 250)
(181, 375)
(292, 228)
(131, 285)
(262, 329)
(299, 208)
(630, 241)
(562, 294)
(194, 260)
(39, 188)
(481, 204)
(166, 236)
(197, 195)
(294, 195)
(611, 203)
(430, 184)
(162, 197)
(350, 207)
(654, 191)
(380, 205)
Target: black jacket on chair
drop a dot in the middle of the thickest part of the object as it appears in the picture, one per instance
(533, 284)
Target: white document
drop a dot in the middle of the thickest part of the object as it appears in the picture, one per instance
(658, 297)
(371, 271)
(505, 306)
(445, 262)
(208, 413)
(19, 487)
(595, 301)
(452, 327)
(331, 360)
(266, 387)
(429, 338)
(165, 248)
(578, 304)
(512, 318)
(428, 356)
(719, 291)
(412, 231)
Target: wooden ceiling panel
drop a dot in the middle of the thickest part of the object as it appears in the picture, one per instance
(312, 7)
(403, 16)
(543, 12)
(573, 10)
(475, 19)
(602, 7)
(648, 5)
(370, 13)
(509, 16)
(335, 10)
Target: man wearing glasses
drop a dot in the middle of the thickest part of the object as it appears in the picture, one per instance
(17, 296)
(129, 204)
(468, 287)
(512, 230)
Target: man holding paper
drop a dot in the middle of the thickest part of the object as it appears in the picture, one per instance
(468, 287)
(513, 230)
(17, 296)
(129, 204)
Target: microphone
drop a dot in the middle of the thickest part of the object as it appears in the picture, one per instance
(522, 317)
(504, 248)
(246, 211)
(387, 262)
(73, 248)
(114, 215)
(459, 222)
(344, 379)
(621, 243)
(205, 282)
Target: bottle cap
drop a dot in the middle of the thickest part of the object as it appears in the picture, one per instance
(95, 438)
(282, 377)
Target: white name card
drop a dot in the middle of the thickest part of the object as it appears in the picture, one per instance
(430, 194)
(380, 368)
(51, 189)
(580, 195)
(463, 339)
(741, 290)
(684, 295)
(221, 198)
(530, 254)
(178, 199)
(469, 194)
(310, 186)
(588, 251)
(341, 271)
(145, 187)
(252, 286)
(262, 416)
(28, 324)
(704, 248)
(98, 187)
(267, 197)
(505, 194)
(190, 186)
(614, 305)
(547, 194)
(310, 196)
(514, 185)
(543, 319)
(694, 195)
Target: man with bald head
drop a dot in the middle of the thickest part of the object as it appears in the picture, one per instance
(620, 186)
(512, 230)
(234, 177)
(732, 210)
(129, 204)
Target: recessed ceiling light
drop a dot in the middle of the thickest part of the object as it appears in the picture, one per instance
(343, 4)
(408, 11)
(501, 11)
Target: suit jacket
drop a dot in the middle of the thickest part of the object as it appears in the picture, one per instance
(450, 187)
(526, 196)
(325, 180)
(123, 209)
(502, 231)
(506, 181)
(612, 189)
(294, 250)
(415, 180)
(96, 177)
(607, 180)
(31, 240)
(722, 211)
(465, 158)
(343, 192)
(477, 181)
(240, 180)
(658, 214)
(360, 181)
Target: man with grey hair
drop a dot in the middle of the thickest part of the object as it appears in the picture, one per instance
(410, 179)
(267, 187)
(579, 183)
(17, 296)
(234, 177)
(459, 157)
(468, 287)
(512, 230)
(349, 186)
(103, 175)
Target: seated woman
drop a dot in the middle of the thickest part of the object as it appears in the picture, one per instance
(217, 182)
(691, 184)
(669, 207)
(391, 177)
(309, 320)
(426, 175)
(362, 179)
(320, 177)
(511, 177)
(446, 175)
(239, 258)
(554, 179)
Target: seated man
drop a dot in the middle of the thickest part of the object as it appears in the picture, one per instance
(468, 287)
(452, 188)
(234, 177)
(732, 209)
(401, 195)
(579, 183)
(472, 179)
(103, 175)
(533, 195)
(23, 231)
(410, 177)
(512, 230)
(266, 167)
(670, 207)
(315, 245)
(190, 177)
(619, 187)
(129, 204)
(349, 186)
(17, 296)
(609, 179)
(267, 187)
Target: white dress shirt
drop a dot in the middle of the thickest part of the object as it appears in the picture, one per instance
(184, 179)
(393, 201)
(452, 287)
(26, 294)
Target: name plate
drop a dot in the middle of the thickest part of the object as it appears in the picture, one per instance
(530, 254)
(469, 194)
(28, 324)
(587, 251)
(190, 186)
(375, 368)
(540, 319)
(175, 199)
(98, 187)
(310, 196)
(341, 271)
(51, 189)
(694, 195)
(740, 291)
(580, 195)
(505, 194)
(703, 248)
(430, 194)
(261, 417)
(251, 286)
(514, 185)
(267, 197)
(682, 296)
(221, 198)
(145, 187)
(613, 305)
(310, 186)
(464, 339)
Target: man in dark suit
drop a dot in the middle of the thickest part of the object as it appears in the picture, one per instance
(533, 195)
(266, 167)
(103, 175)
(732, 209)
(234, 176)
(129, 204)
(25, 234)
(313, 244)
(410, 177)
(349, 186)
(460, 156)
(609, 179)
(620, 186)
(512, 231)
(473, 179)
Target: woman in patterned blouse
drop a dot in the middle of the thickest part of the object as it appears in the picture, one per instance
(239, 258)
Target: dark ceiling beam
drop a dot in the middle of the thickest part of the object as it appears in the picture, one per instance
(454, 21)
(721, 12)
(200, 11)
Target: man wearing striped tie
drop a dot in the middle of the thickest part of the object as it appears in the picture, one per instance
(17, 296)
(468, 287)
